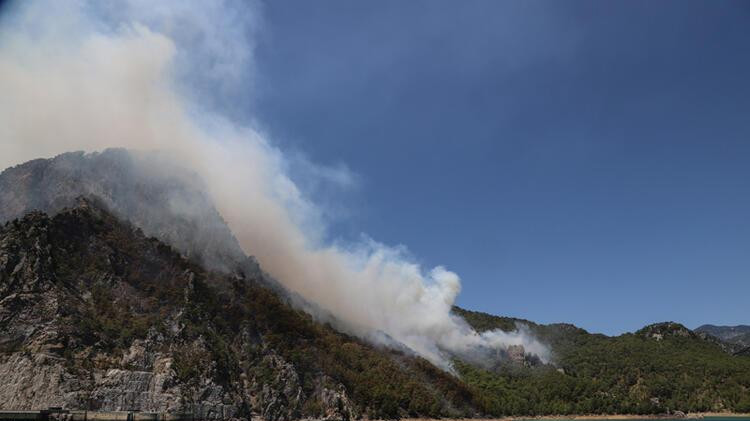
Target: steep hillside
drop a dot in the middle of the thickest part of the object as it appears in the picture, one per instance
(148, 189)
(661, 367)
(93, 314)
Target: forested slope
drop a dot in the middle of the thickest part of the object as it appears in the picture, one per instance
(662, 367)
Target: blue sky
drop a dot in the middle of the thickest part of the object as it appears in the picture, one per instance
(577, 161)
(584, 162)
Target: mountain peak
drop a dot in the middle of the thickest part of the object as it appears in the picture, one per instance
(149, 190)
(662, 330)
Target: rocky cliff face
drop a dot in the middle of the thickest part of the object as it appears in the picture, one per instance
(80, 327)
(95, 315)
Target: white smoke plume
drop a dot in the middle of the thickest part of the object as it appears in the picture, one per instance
(90, 75)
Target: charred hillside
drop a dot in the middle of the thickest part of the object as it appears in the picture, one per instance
(96, 315)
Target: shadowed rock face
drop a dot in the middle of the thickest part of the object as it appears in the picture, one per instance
(80, 325)
(95, 315)
(148, 189)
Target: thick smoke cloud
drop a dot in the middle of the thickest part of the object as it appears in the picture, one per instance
(80, 76)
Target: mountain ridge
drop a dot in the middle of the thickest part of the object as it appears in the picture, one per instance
(169, 314)
(736, 338)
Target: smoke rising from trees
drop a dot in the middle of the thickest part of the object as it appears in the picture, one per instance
(82, 76)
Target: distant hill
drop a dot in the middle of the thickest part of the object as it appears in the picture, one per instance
(738, 337)
(662, 367)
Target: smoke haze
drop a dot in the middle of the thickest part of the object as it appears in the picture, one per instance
(81, 76)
